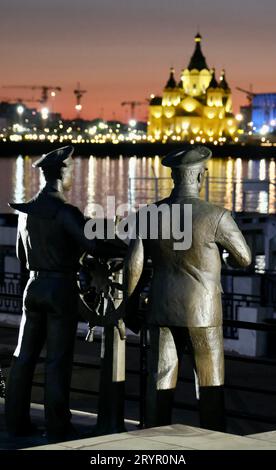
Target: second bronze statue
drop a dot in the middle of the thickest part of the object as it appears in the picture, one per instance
(185, 296)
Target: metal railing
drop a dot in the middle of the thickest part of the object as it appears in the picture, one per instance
(11, 290)
(232, 301)
(237, 195)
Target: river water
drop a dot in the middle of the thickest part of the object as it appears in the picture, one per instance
(246, 184)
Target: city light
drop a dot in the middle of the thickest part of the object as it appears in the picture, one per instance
(17, 128)
(264, 129)
(99, 131)
(20, 109)
(44, 113)
(239, 117)
(92, 130)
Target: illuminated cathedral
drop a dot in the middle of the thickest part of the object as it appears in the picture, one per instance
(198, 108)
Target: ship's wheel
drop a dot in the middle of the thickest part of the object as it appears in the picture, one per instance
(99, 288)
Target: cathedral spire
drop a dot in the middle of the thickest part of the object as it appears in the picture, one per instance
(223, 83)
(171, 83)
(197, 61)
(213, 83)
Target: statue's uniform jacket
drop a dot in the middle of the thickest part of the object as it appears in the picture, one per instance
(50, 242)
(50, 233)
(186, 287)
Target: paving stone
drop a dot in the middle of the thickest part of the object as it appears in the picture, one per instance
(133, 444)
(232, 443)
(98, 440)
(177, 437)
(269, 436)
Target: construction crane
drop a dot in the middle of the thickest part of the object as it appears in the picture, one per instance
(132, 105)
(44, 90)
(79, 94)
(249, 95)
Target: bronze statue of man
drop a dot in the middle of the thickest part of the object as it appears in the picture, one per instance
(185, 297)
(50, 242)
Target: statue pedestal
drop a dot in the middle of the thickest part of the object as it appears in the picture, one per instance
(112, 383)
(112, 380)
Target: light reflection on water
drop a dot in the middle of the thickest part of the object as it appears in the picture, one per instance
(95, 178)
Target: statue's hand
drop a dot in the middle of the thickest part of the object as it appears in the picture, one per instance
(230, 260)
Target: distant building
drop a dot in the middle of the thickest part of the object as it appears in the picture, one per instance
(18, 114)
(3, 122)
(246, 112)
(10, 113)
(195, 108)
(264, 112)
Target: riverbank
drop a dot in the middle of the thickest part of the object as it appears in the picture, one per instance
(11, 149)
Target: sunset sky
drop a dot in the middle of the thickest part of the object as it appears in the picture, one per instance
(122, 50)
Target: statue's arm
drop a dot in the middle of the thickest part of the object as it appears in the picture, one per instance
(20, 251)
(133, 266)
(231, 238)
(73, 221)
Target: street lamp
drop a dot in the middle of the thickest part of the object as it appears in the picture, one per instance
(20, 109)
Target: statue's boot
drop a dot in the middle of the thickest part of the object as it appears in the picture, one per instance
(159, 410)
(17, 405)
(211, 408)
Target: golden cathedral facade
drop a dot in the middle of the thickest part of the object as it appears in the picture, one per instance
(197, 109)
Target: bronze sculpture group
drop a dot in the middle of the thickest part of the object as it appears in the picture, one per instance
(185, 308)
